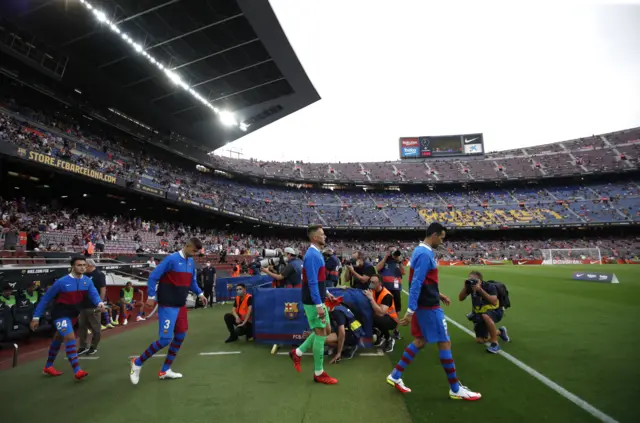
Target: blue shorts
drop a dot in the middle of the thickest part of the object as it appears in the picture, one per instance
(431, 325)
(128, 306)
(64, 326)
(172, 320)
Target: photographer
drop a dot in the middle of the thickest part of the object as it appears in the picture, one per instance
(391, 270)
(332, 264)
(487, 310)
(291, 276)
(360, 271)
(254, 267)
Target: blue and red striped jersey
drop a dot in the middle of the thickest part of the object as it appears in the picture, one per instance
(424, 292)
(314, 275)
(174, 277)
(69, 293)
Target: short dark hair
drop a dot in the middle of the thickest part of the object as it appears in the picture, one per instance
(435, 228)
(476, 273)
(75, 259)
(195, 242)
(375, 275)
(312, 229)
(241, 285)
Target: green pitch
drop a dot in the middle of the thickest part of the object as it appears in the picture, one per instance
(581, 335)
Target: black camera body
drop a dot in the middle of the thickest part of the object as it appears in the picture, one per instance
(469, 284)
(396, 253)
(353, 261)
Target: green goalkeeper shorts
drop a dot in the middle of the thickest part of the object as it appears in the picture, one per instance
(315, 322)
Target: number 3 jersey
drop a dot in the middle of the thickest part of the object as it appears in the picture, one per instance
(68, 293)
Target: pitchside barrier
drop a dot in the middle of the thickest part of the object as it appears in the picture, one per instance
(226, 287)
(278, 315)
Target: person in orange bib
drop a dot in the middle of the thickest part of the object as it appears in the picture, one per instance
(385, 317)
(239, 320)
(236, 270)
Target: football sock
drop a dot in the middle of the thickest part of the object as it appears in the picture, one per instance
(446, 359)
(72, 355)
(153, 348)
(106, 318)
(176, 343)
(53, 351)
(318, 354)
(308, 343)
(406, 359)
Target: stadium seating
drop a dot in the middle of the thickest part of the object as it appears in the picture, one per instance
(36, 130)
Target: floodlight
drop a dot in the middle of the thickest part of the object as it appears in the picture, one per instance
(228, 118)
(100, 15)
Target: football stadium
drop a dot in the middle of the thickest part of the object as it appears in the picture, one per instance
(137, 239)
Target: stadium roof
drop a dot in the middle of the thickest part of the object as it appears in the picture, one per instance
(232, 53)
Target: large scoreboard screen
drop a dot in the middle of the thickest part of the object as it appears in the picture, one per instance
(441, 146)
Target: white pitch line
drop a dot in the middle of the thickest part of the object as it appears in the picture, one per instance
(542, 378)
(155, 355)
(374, 354)
(87, 358)
(221, 353)
(287, 353)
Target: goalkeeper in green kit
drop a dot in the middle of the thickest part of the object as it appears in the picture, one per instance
(313, 296)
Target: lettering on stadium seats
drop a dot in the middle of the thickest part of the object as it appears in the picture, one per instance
(70, 167)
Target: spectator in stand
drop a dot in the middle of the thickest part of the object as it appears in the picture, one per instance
(152, 263)
(11, 236)
(100, 242)
(88, 248)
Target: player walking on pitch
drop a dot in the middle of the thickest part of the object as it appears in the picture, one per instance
(313, 296)
(429, 324)
(175, 276)
(68, 293)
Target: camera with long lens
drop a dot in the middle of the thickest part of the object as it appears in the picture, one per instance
(273, 258)
(469, 284)
(266, 253)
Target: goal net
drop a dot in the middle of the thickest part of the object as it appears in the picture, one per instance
(571, 256)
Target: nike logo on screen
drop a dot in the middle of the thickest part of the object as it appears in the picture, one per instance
(471, 140)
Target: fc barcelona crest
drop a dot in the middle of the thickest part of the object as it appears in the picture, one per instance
(229, 287)
(291, 310)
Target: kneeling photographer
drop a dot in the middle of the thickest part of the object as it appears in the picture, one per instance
(487, 310)
(346, 330)
(291, 275)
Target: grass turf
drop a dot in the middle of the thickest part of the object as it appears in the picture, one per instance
(579, 334)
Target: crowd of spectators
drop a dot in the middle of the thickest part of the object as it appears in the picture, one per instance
(50, 229)
(521, 207)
